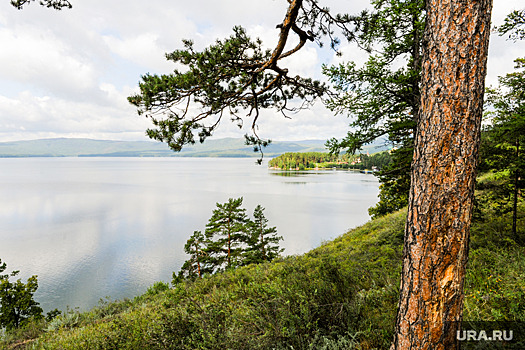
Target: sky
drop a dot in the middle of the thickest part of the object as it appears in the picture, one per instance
(68, 73)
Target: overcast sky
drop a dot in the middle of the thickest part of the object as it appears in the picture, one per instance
(67, 73)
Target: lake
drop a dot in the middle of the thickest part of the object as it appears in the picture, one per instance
(96, 227)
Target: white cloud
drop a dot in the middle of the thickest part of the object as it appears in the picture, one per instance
(45, 61)
(502, 52)
(69, 72)
(143, 50)
(51, 116)
(349, 52)
(304, 63)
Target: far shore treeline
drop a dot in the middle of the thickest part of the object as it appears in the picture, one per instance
(318, 160)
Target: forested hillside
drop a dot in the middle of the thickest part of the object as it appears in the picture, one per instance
(313, 160)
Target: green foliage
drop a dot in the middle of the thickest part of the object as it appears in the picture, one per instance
(17, 305)
(263, 242)
(495, 280)
(495, 193)
(226, 232)
(200, 262)
(231, 239)
(157, 287)
(378, 160)
(53, 314)
(21, 338)
(311, 160)
(308, 160)
(225, 78)
(514, 23)
(395, 183)
(233, 75)
(71, 319)
(504, 141)
(383, 97)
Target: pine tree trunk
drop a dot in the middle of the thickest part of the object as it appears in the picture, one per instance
(443, 174)
(17, 317)
(198, 262)
(262, 245)
(229, 244)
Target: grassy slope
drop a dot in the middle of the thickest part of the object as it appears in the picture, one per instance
(338, 295)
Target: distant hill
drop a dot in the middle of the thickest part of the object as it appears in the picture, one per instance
(68, 147)
(226, 147)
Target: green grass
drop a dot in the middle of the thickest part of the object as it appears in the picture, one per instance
(341, 295)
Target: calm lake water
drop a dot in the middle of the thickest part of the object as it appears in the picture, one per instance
(96, 227)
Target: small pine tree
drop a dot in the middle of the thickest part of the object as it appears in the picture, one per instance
(263, 242)
(226, 232)
(230, 240)
(199, 262)
(17, 305)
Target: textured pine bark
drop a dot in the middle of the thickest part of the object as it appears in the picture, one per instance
(443, 174)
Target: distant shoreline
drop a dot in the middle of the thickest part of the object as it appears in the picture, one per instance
(214, 148)
(125, 156)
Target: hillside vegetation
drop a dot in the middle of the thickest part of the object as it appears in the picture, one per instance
(341, 295)
(313, 160)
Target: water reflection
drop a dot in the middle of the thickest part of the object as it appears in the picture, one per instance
(287, 173)
(327, 171)
(96, 227)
